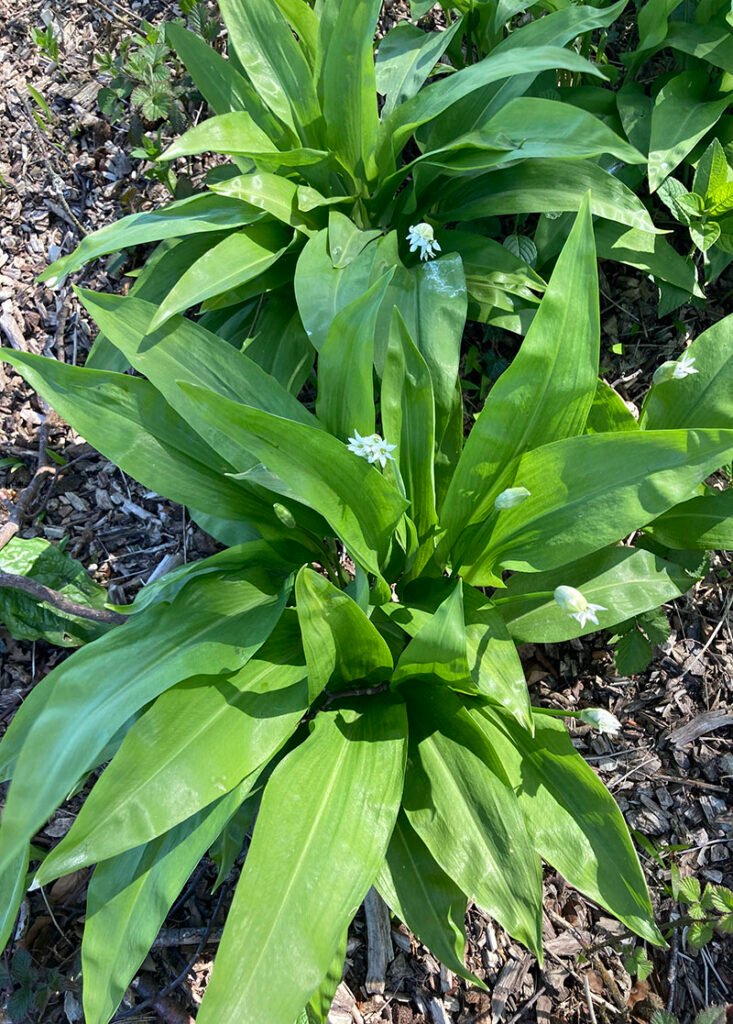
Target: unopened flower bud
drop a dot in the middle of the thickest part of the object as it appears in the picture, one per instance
(511, 497)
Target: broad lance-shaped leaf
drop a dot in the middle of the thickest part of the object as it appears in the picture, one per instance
(408, 420)
(221, 85)
(624, 581)
(214, 627)
(609, 412)
(184, 217)
(346, 83)
(241, 256)
(711, 42)
(267, 49)
(359, 503)
(428, 901)
(556, 29)
(272, 193)
(333, 800)
(680, 118)
(573, 510)
(493, 662)
(183, 350)
(406, 57)
(128, 899)
(323, 289)
(128, 421)
(573, 821)
(345, 399)
(12, 891)
(704, 398)
(433, 100)
(237, 133)
(438, 651)
(544, 186)
(458, 800)
(648, 252)
(545, 394)
(341, 645)
(704, 523)
(198, 740)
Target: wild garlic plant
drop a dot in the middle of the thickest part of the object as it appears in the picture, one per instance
(315, 133)
(345, 672)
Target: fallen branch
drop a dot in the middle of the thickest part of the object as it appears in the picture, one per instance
(18, 509)
(64, 604)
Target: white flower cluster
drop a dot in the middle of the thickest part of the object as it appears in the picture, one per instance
(373, 448)
(421, 236)
(675, 369)
(577, 607)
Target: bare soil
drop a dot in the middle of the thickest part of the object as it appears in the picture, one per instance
(670, 770)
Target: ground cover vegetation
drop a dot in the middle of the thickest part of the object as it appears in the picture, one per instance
(344, 673)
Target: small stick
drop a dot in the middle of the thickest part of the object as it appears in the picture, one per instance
(672, 971)
(19, 509)
(52, 597)
(589, 1000)
(379, 942)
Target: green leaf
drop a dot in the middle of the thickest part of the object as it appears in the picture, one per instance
(432, 300)
(541, 186)
(556, 29)
(702, 399)
(645, 251)
(458, 800)
(704, 523)
(433, 100)
(226, 848)
(721, 200)
(128, 899)
(406, 57)
(712, 170)
(632, 652)
(644, 474)
(341, 644)
(423, 896)
(272, 193)
(609, 413)
(128, 421)
(625, 581)
(275, 64)
(12, 891)
(438, 651)
(359, 503)
(29, 619)
(545, 394)
(531, 128)
(322, 289)
(240, 257)
(573, 820)
(304, 22)
(221, 85)
(237, 133)
(346, 82)
(408, 420)
(679, 120)
(213, 627)
(232, 725)
(345, 240)
(345, 399)
(710, 43)
(185, 217)
(333, 800)
(162, 270)
(704, 235)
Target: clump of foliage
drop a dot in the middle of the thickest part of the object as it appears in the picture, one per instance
(711, 1015)
(345, 672)
(707, 910)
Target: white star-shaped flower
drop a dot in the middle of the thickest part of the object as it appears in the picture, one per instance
(675, 369)
(683, 366)
(360, 445)
(373, 448)
(601, 720)
(421, 236)
(576, 605)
